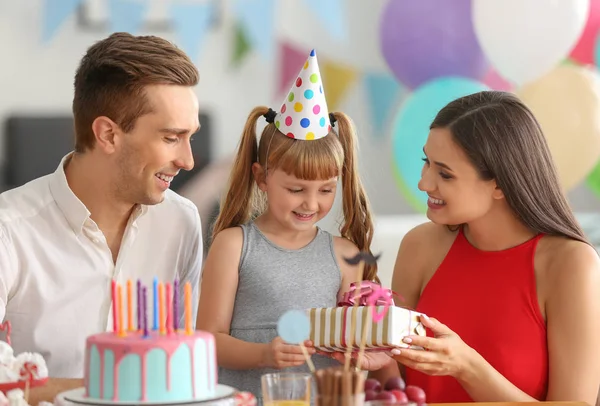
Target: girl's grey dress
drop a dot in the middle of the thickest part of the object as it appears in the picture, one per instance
(273, 280)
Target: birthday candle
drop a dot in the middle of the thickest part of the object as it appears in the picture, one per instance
(129, 306)
(188, 308)
(139, 304)
(161, 308)
(145, 315)
(120, 306)
(169, 301)
(155, 303)
(176, 304)
(114, 304)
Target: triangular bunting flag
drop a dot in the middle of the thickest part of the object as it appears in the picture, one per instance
(337, 79)
(257, 18)
(382, 91)
(55, 12)
(569, 62)
(241, 46)
(192, 22)
(332, 15)
(593, 180)
(127, 15)
(290, 57)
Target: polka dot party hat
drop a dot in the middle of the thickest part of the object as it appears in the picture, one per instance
(304, 114)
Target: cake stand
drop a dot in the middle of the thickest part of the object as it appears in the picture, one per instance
(225, 396)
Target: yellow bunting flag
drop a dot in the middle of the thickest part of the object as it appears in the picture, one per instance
(337, 79)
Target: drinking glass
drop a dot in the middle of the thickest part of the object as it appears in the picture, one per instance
(286, 389)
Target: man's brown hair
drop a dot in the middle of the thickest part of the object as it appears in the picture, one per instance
(111, 77)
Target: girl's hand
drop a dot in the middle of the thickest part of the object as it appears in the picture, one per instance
(444, 354)
(371, 361)
(280, 355)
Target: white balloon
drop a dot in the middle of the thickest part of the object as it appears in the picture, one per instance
(524, 39)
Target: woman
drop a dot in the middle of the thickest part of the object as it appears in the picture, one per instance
(503, 265)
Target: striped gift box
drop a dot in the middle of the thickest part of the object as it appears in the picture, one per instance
(331, 327)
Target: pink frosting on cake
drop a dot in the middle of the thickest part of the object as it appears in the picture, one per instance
(136, 343)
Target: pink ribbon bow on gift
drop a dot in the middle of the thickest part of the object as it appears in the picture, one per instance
(369, 294)
(367, 289)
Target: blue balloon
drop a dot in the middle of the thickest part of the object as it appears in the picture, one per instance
(597, 52)
(294, 327)
(411, 128)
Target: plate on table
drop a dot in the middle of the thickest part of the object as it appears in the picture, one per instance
(78, 396)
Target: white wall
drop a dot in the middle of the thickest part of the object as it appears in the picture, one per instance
(389, 231)
(38, 78)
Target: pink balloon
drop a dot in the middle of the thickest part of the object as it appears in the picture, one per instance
(584, 50)
(496, 82)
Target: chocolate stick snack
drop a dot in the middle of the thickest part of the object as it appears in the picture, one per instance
(338, 386)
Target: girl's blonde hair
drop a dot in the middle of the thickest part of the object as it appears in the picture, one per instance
(324, 158)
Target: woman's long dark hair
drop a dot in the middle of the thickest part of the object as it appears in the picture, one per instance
(504, 142)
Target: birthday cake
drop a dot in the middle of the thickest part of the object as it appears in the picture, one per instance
(157, 367)
(159, 364)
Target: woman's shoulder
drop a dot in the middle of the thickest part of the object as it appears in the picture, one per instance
(561, 257)
(429, 236)
(421, 252)
(565, 268)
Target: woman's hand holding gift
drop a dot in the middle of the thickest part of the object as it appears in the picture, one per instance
(443, 354)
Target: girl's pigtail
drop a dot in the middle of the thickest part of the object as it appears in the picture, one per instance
(358, 223)
(240, 199)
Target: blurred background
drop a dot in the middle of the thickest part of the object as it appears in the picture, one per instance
(389, 64)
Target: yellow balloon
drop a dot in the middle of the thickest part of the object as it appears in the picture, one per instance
(566, 102)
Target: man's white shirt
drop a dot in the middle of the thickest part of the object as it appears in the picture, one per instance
(56, 267)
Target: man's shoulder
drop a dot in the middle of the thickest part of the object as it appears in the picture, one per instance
(25, 201)
(177, 207)
(176, 202)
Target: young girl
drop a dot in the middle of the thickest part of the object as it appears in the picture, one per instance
(268, 255)
(515, 284)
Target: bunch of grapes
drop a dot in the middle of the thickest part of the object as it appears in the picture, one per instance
(394, 390)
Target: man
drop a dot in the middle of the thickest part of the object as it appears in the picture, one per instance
(106, 212)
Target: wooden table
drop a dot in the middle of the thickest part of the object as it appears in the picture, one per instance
(510, 404)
